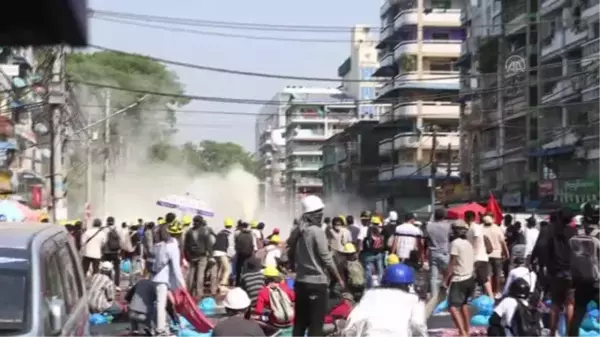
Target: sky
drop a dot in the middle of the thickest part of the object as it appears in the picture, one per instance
(289, 58)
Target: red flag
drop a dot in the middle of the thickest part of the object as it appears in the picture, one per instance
(494, 208)
(186, 307)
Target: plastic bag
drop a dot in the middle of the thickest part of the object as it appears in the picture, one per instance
(192, 333)
(126, 266)
(184, 323)
(480, 320)
(590, 323)
(591, 306)
(100, 319)
(443, 306)
(289, 281)
(483, 303)
(208, 306)
(593, 313)
(584, 333)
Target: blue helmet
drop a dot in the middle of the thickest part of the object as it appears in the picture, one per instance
(398, 274)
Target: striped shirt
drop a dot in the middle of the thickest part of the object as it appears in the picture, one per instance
(101, 293)
(252, 283)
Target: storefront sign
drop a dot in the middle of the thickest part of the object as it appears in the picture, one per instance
(575, 192)
(546, 188)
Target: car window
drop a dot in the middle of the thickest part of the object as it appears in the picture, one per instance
(53, 287)
(77, 271)
(69, 280)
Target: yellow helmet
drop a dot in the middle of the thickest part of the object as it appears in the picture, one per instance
(349, 248)
(271, 271)
(254, 224)
(341, 216)
(228, 222)
(375, 220)
(161, 221)
(275, 239)
(392, 259)
(186, 220)
(175, 227)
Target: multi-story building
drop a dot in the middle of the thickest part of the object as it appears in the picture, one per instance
(357, 70)
(419, 44)
(312, 116)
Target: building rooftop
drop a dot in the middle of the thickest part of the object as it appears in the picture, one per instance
(337, 97)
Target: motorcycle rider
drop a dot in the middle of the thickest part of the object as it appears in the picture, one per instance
(379, 312)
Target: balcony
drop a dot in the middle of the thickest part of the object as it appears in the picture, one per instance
(429, 48)
(309, 182)
(304, 119)
(386, 172)
(425, 141)
(562, 39)
(414, 170)
(444, 80)
(548, 6)
(299, 165)
(426, 109)
(591, 49)
(386, 32)
(387, 60)
(561, 89)
(385, 147)
(591, 11)
(437, 18)
(304, 134)
(304, 150)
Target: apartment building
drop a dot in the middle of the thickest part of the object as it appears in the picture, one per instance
(312, 116)
(356, 73)
(419, 44)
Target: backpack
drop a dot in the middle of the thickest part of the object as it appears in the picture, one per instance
(489, 248)
(282, 307)
(196, 243)
(161, 257)
(113, 242)
(585, 250)
(244, 243)
(526, 321)
(222, 241)
(356, 274)
(374, 242)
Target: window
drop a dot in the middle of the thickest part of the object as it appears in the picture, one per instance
(440, 36)
(439, 66)
(72, 288)
(367, 93)
(13, 300)
(367, 111)
(366, 73)
(52, 283)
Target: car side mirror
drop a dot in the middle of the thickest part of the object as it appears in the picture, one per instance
(56, 315)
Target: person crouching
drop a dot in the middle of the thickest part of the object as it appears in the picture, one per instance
(277, 299)
(102, 291)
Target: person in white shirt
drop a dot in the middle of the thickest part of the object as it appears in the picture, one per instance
(520, 272)
(92, 241)
(391, 310)
(501, 322)
(482, 267)
(272, 252)
(408, 238)
(531, 235)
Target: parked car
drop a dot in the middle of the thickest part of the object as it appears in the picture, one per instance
(42, 286)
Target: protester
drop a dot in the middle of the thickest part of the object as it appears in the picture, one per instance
(111, 251)
(391, 310)
(198, 249)
(77, 234)
(314, 264)
(438, 238)
(276, 299)
(531, 235)
(340, 311)
(252, 279)
(338, 235)
(476, 237)
(513, 315)
(93, 241)
(245, 246)
(274, 232)
(353, 228)
(365, 223)
(140, 306)
(236, 304)
(102, 291)
(373, 251)
(521, 271)
(273, 252)
(223, 252)
(166, 273)
(353, 272)
(499, 250)
(326, 223)
(389, 229)
(257, 234)
(392, 259)
(459, 277)
(407, 238)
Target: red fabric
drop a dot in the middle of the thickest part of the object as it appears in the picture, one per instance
(458, 212)
(494, 208)
(341, 311)
(186, 307)
(263, 303)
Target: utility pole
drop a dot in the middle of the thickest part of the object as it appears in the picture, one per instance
(433, 163)
(106, 152)
(90, 164)
(56, 99)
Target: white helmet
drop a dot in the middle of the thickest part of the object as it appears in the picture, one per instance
(312, 203)
(106, 265)
(393, 216)
(236, 299)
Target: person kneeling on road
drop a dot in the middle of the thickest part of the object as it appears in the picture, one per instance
(140, 306)
(513, 316)
(102, 291)
(236, 303)
(391, 310)
(276, 299)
